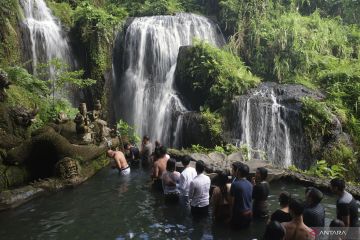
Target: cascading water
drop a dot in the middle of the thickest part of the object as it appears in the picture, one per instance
(45, 37)
(268, 121)
(145, 96)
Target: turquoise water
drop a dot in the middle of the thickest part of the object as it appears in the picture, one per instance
(109, 206)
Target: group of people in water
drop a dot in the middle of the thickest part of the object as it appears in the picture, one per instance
(237, 200)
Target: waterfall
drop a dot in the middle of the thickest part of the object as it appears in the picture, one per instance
(45, 37)
(268, 121)
(145, 96)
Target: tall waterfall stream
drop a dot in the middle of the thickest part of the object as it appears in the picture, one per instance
(145, 96)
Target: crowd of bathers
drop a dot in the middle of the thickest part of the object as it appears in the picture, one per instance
(238, 199)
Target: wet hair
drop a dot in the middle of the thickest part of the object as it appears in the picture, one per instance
(236, 165)
(186, 160)
(200, 166)
(162, 151)
(171, 165)
(296, 206)
(146, 137)
(339, 183)
(315, 194)
(222, 181)
(337, 223)
(126, 145)
(284, 198)
(274, 231)
(243, 170)
(157, 143)
(263, 173)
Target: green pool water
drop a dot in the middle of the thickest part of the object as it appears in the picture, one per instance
(109, 206)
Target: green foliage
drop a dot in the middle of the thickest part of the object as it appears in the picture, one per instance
(126, 132)
(20, 77)
(161, 7)
(63, 11)
(61, 77)
(30, 92)
(211, 126)
(196, 148)
(342, 154)
(316, 117)
(322, 170)
(217, 75)
(10, 49)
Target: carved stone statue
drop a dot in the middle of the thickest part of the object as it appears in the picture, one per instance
(81, 120)
(83, 124)
(23, 116)
(67, 169)
(61, 118)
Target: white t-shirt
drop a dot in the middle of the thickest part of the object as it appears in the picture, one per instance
(199, 191)
(187, 176)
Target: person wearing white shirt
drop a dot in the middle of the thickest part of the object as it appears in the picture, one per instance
(187, 176)
(199, 191)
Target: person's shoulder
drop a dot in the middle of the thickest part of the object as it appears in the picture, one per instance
(216, 190)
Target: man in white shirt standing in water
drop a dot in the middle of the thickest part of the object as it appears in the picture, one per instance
(199, 191)
(187, 176)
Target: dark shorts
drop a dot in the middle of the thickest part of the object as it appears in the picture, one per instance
(171, 198)
(200, 211)
(157, 185)
(241, 221)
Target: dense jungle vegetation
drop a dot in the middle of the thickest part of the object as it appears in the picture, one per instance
(311, 42)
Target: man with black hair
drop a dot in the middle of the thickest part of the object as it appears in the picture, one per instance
(314, 213)
(187, 176)
(346, 207)
(132, 153)
(234, 169)
(296, 229)
(159, 167)
(260, 193)
(241, 193)
(199, 191)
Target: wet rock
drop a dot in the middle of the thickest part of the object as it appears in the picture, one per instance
(268, 119)
(13, 198)
(236, 156)
(4, 84)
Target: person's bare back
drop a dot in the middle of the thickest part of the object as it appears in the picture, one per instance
(160, 167)
(296, 230)
(119, 158)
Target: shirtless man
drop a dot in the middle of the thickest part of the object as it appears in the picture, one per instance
(159, 167)
(296, 229)
(120, 161)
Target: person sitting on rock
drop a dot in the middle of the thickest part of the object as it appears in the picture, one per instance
(260, 193)
(296, 229)
(241, 193)
(221, 200)
(120, 161)
(282, 214)
(346, 207)
(314, 213)
(170, 180)
(159, 167)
